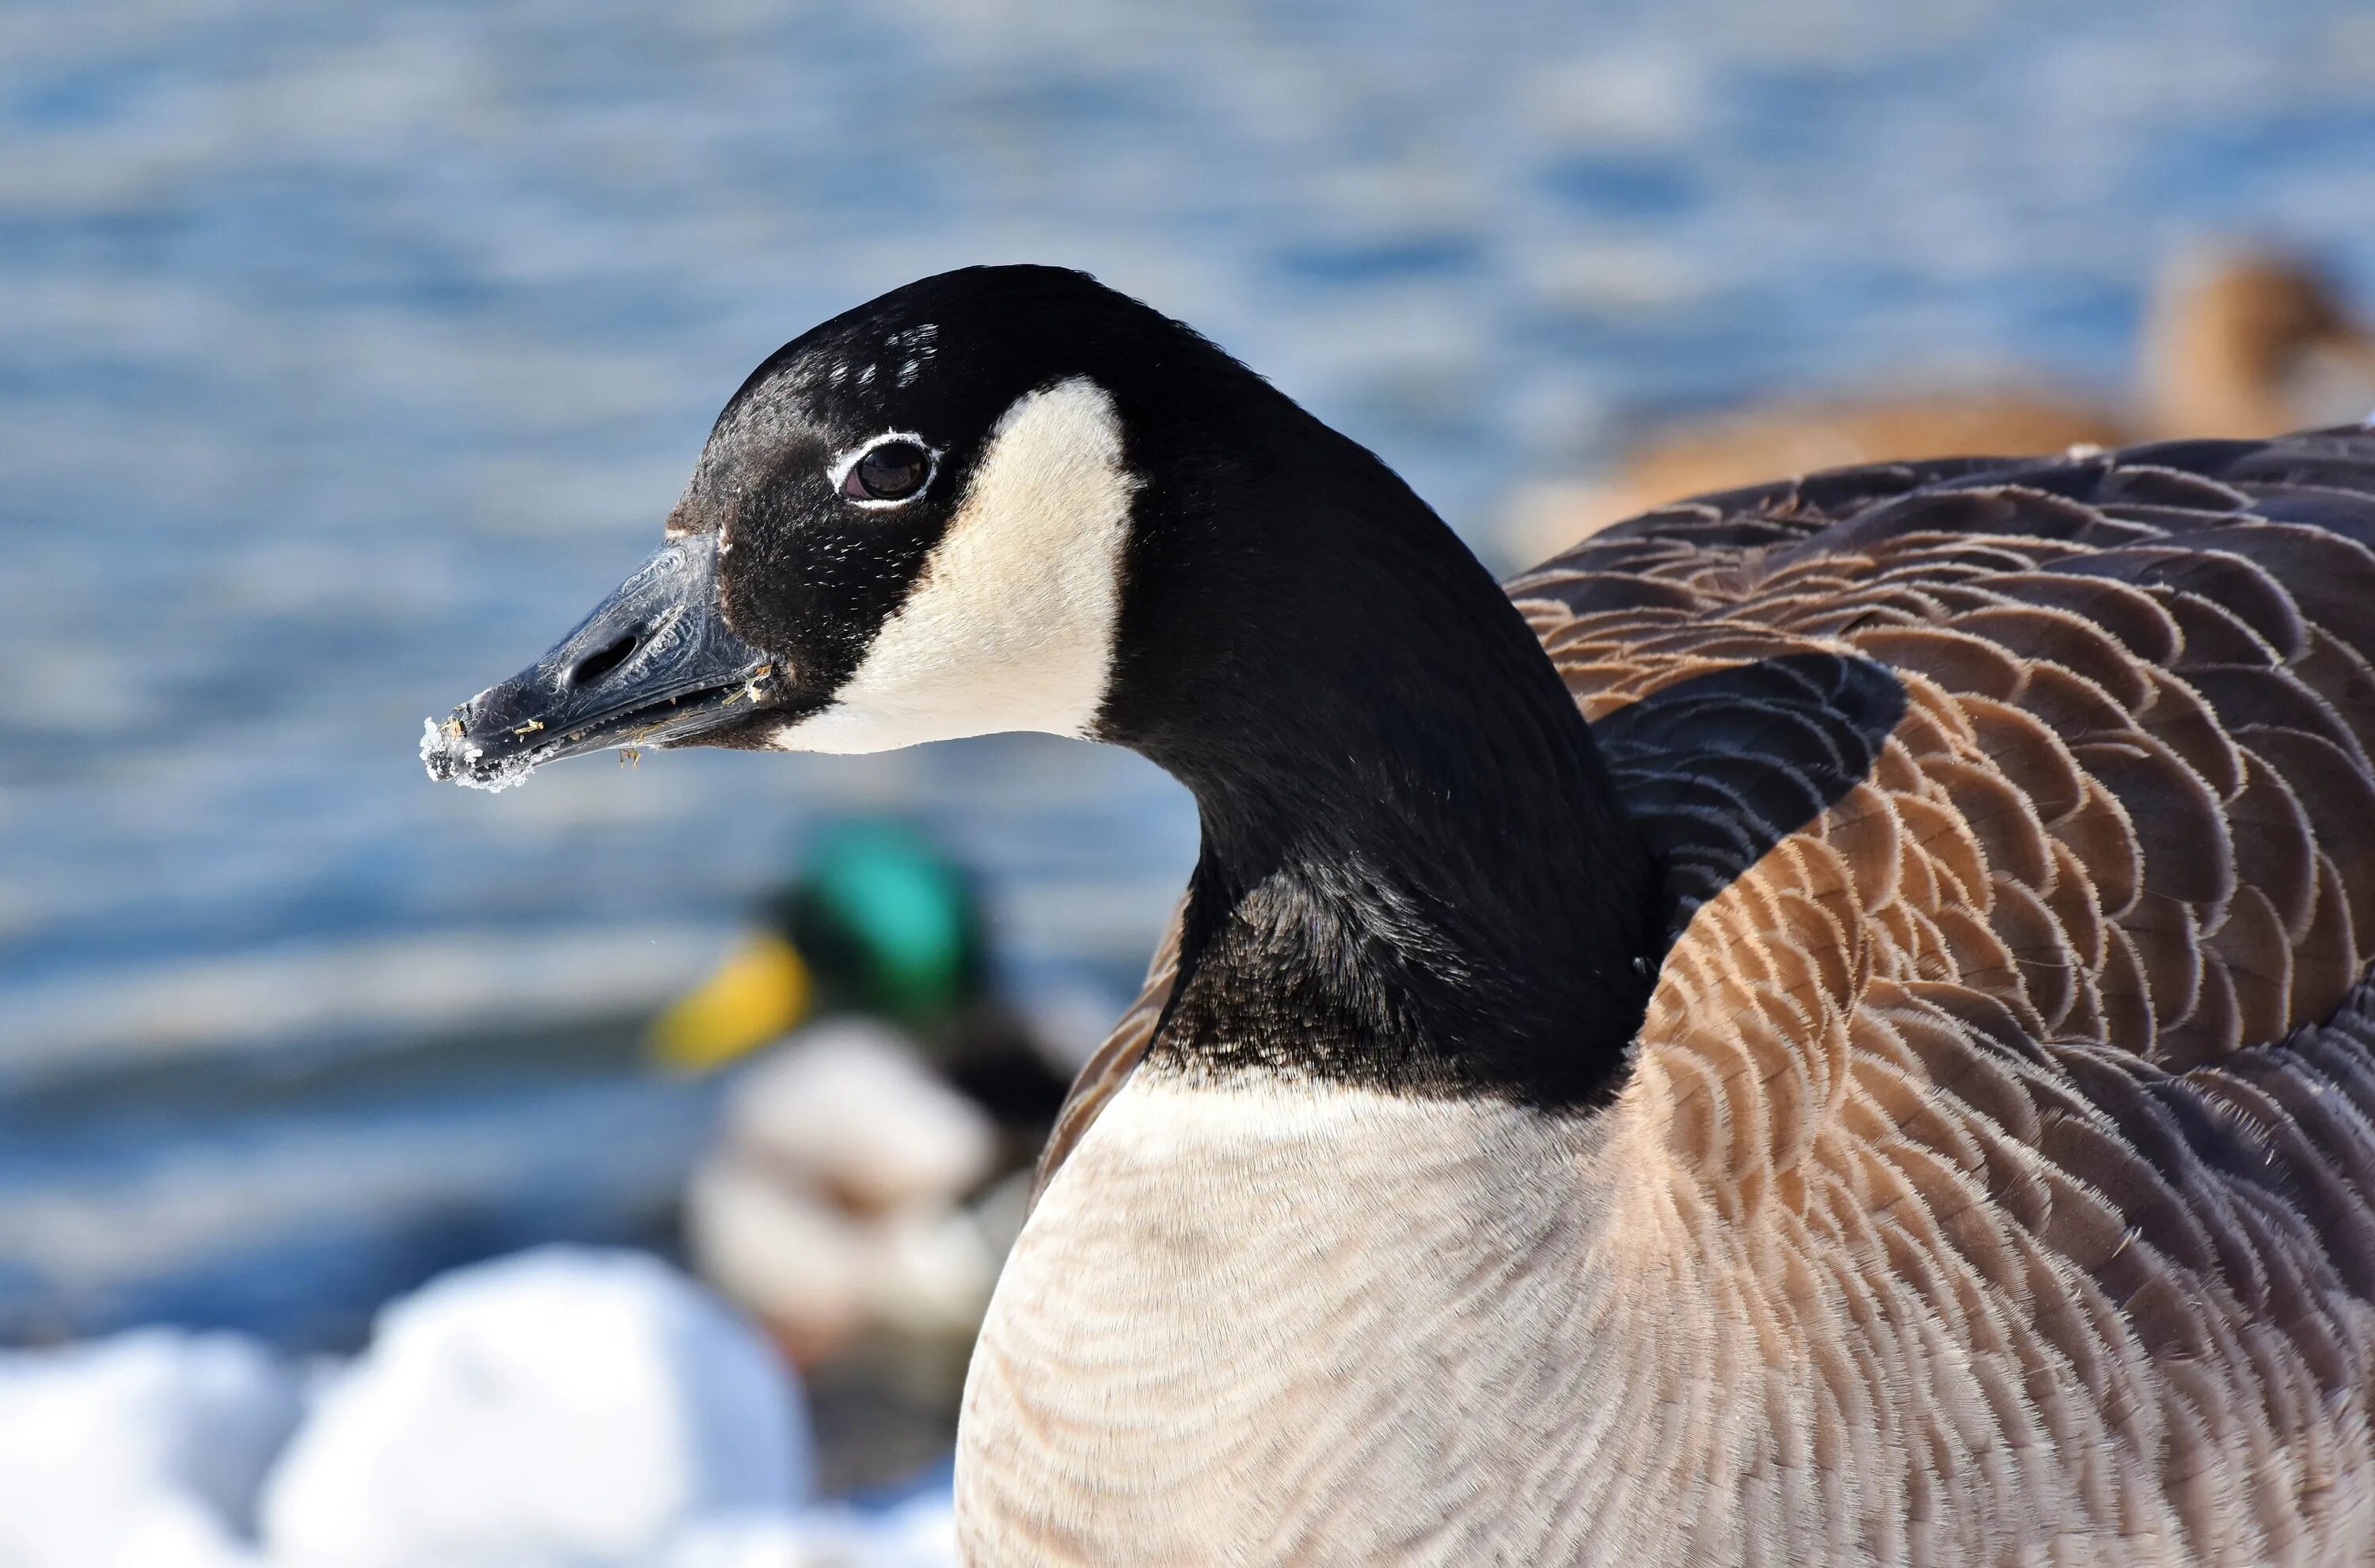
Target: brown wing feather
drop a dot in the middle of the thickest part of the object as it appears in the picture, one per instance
(2107, 1059)
(1110, 1063)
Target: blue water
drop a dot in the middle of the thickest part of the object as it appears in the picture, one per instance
(348, 353)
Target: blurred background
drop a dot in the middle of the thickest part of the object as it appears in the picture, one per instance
(347, 354)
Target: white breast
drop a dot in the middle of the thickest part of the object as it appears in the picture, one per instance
(1270, 1323)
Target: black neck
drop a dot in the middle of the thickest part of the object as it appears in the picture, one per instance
(1415, 875)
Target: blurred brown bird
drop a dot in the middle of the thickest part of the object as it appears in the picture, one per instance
(2239, 340)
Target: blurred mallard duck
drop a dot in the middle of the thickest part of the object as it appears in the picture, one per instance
(2239, 340)
(879, 922)
(895, 1088)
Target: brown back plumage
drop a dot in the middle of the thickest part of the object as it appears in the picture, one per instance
(2069, 991)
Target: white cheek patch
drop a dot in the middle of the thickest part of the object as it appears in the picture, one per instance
(1011, 624)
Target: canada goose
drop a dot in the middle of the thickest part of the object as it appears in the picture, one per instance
(2239, 340)
(1894, 1088)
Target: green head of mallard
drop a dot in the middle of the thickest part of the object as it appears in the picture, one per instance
(879, 921)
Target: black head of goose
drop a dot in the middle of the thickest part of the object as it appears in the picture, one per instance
(1892, 1086)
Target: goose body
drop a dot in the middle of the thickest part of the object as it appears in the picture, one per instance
(1827, 1024)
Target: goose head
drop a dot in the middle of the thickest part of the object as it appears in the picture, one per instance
(909, 525)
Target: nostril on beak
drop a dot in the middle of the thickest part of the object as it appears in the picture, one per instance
(603, 660)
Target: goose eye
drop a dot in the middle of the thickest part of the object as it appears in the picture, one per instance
(893, 471)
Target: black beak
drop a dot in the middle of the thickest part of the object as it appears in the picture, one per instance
(655, 665)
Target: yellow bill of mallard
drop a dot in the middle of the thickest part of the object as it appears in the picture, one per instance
(755, 997)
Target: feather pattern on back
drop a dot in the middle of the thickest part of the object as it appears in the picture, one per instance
(2012, 1069)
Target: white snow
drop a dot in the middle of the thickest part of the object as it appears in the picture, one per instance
(563, 1403)
(441, 749)
(146, 1448)
(565, 1408)
(919, 1534)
